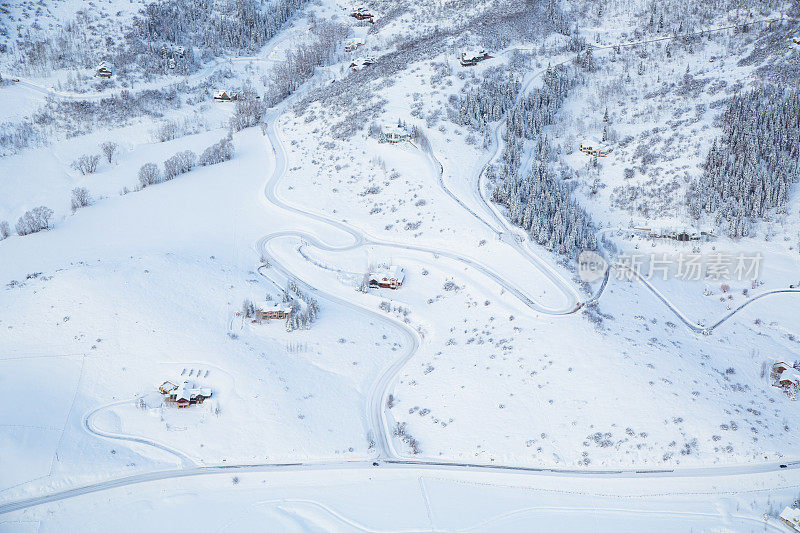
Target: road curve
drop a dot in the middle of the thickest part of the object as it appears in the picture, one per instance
(88, 425)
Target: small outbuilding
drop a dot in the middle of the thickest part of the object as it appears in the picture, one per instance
(387, 278)
(104, 70)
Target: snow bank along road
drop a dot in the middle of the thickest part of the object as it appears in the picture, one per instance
(421, 467)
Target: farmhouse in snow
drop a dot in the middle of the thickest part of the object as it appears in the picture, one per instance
(362, 13)
(388, 278)
(395, 133)
(276, 311)
(185, 394)
(104, 70)
(225, 96)
(791, 517)
(594, 147)
(470, 58)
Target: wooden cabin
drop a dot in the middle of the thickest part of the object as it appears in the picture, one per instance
(225, 96)
(594, 147)
(388, 278)
(274, 312)
(470, 58)
(363, 13)
(104, 70)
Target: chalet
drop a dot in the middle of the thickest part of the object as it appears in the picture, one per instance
(395, 133)
(363, 13)
(788, 380)
(791, 517)
(470, 58)
(187, 393)
(594, 147)
(225, 96)
(104, 70)
(352, 45)
(276, 311)
(361, 62)
(388, 278)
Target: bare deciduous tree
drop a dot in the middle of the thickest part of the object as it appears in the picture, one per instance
(109, 149)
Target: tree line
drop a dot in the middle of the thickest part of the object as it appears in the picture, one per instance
(750, 169)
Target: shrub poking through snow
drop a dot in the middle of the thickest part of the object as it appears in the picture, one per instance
(86, 164)
(178, 164)
(148, 174)
(80, 198)
(109, 149)
(35, 220)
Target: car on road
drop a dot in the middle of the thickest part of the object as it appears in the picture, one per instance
(15, 80)
(783, 466)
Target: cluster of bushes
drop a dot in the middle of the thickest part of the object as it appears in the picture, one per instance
(35, 220)
(184, 161)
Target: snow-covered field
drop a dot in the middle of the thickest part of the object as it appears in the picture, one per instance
(493, 352)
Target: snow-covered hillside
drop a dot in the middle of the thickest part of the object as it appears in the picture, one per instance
(225, 206)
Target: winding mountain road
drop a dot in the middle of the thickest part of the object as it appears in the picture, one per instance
(375, 407)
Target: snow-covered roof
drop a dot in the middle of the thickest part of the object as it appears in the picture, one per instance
(790, 374)
(223, 93)
(188, 391)
(791, 515)
(105, 65)
(394, 129)
(472, 54)
(386, 274)
(593, 142)
(278, 306)
(783, 364)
